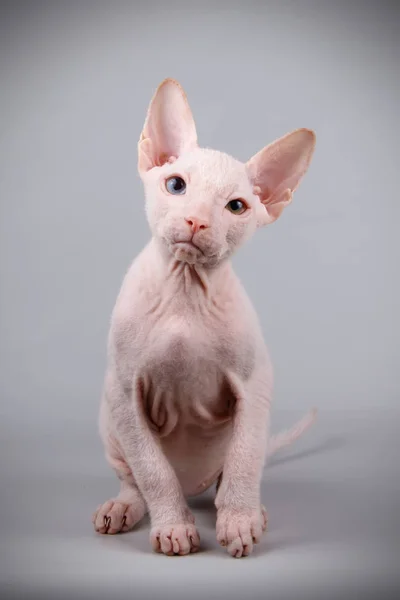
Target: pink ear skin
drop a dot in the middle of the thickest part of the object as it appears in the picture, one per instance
(276, 171)
(169, 128)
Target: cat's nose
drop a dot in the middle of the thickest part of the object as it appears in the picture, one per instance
(196, 224)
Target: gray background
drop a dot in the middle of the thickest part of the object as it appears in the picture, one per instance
(76, 80)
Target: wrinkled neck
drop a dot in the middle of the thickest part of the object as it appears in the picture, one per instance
(192, 279)
(195, 281)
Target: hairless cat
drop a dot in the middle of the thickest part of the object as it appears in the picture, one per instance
(188, 383)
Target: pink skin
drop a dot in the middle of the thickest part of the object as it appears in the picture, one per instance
(189, 383)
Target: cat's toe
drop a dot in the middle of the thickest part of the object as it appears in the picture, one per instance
(175, 539)
(239, 531)
(116, 517)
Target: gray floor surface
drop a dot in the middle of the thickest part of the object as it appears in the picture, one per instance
(333, 501)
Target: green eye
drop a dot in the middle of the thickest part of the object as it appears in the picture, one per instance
(237, 207)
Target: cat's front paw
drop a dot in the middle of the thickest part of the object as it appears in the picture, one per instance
(240, 530)
(180, 538)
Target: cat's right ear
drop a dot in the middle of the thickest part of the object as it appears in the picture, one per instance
(169, 128)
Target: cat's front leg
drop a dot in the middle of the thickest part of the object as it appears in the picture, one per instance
(241, 518)
(172, 524)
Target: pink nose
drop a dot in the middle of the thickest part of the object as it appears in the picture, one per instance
(196, 224)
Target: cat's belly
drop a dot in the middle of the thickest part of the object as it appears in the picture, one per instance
(197, 460)
(187, 396)
(193, 420)
(191, 411)
(196, 400)
(197, 457)
(196, 453)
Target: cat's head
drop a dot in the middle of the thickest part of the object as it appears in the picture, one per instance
(203, 204)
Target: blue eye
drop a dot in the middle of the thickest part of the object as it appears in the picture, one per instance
(175, 185)
(237, 207)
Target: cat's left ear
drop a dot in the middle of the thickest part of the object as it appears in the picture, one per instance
(169, 128)
(276, 171)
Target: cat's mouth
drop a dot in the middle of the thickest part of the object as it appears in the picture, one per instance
(188, 245)
(187, 251)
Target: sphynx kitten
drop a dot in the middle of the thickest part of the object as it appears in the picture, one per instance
(188, 383)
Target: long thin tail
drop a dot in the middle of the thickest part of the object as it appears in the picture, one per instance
(287, 437)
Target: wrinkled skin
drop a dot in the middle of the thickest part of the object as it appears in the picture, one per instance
(188, 384)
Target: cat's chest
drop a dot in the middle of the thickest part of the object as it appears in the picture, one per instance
(176, 349)
(184, 356)
(192, 347)
(183, 374)
(181, 341)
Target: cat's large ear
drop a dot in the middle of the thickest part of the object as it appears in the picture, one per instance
(169, 128)
(276, 171)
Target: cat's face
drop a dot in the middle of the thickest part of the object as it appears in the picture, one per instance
(202, 204)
